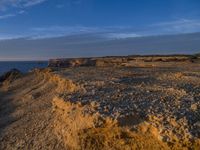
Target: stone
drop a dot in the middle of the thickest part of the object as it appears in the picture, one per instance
(194, 107)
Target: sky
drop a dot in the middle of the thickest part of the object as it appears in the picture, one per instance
(98, 20)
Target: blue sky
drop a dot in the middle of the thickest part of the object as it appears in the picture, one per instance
(113, 18)
(43, 29)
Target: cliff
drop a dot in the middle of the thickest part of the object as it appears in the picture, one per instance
(118, 60)
(103, 107)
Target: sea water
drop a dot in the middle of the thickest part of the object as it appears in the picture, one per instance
(23, 66)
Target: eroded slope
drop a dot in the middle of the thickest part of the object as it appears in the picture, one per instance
(26, 111)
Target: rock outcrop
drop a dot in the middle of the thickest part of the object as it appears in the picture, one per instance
(10, 75)
(118, 61)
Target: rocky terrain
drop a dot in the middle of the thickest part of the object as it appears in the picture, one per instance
(151, 103)
(121, 60)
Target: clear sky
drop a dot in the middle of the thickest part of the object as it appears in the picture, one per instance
(38, 19)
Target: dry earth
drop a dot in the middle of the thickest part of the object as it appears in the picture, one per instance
(149, 106)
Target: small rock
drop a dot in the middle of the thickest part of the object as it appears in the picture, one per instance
(194, 107)
(197, 124)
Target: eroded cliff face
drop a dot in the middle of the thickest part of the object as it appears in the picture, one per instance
(118, 61)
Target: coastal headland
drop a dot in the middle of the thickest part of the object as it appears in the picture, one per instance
(119, 102)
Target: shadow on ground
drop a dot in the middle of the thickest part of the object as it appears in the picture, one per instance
(6, 110)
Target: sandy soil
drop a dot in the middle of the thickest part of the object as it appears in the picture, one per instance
(145, 107)
(26, 116)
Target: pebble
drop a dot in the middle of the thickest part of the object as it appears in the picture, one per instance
(194, 107)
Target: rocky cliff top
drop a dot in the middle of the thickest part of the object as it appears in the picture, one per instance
(119, 60)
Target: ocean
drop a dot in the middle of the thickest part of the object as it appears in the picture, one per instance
(23, 66)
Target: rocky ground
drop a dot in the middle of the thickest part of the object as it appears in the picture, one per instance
(154, 106)
(168, 98)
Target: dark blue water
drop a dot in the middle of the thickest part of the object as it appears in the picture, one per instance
(23, 66)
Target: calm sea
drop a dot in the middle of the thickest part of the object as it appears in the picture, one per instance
(23, 66)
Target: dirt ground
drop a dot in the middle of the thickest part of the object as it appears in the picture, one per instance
(144, 107)
(25, 114)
